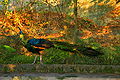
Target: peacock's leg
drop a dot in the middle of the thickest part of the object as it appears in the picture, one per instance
(41, 59)
(41, 54)
(35, 59)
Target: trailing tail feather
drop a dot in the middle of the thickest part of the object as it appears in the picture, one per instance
(79, 49)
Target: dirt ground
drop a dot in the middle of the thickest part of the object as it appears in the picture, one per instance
(56, 76)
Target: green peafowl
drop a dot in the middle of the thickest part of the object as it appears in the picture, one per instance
(35, 45)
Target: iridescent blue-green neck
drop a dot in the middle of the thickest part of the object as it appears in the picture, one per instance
(22, 38)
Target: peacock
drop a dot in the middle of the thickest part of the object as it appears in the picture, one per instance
(36, 46)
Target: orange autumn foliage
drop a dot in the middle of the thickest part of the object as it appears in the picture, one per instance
(86, 34)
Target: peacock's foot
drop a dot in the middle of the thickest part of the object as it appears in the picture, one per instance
(33, 63)
(41, 63)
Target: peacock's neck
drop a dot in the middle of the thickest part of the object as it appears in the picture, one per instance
(22, 37)
(24, 42)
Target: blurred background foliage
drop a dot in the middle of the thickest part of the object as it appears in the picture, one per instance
(93, 23)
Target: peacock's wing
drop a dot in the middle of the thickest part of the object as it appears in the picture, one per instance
(32, 48)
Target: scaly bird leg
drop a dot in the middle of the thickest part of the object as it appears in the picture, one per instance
(41, 59)
(41, 54)
(35, 59)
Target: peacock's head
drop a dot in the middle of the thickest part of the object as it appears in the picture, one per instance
(20, 32)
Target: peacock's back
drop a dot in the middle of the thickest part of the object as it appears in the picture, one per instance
(40, 43)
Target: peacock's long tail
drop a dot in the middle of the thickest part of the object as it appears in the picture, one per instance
(76, 48)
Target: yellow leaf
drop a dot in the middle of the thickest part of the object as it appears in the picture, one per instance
(11, 66)
(65, 27)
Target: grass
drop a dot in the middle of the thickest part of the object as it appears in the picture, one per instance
(8, 55)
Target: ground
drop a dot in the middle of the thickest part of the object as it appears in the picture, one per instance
(56, 76)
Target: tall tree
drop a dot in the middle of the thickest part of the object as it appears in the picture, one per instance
(75, 19)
